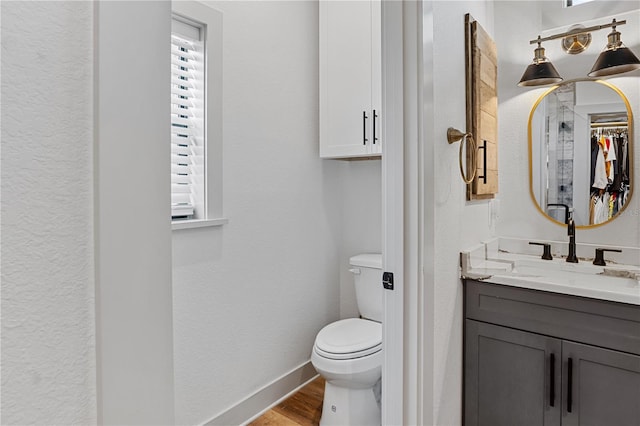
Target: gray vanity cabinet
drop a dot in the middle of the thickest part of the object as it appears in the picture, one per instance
(538, 358)
(605, 386)
(507, 376)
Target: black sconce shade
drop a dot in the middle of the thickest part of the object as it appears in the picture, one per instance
(615, 61)
(540, 74)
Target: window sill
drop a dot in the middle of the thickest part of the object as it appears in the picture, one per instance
(198, 223)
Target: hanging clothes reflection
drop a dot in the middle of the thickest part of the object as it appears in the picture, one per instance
(610, 184)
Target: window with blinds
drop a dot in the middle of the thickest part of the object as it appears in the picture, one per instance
(187, 120)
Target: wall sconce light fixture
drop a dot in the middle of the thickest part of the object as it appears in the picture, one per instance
(541, 71)
(616, 58)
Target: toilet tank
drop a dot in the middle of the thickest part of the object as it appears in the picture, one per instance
(367, 275)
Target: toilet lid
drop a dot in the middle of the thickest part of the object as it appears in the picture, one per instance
(349, 338)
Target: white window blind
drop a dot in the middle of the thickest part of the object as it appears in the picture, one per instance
(187, 119)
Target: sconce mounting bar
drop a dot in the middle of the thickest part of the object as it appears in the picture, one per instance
(579, 31)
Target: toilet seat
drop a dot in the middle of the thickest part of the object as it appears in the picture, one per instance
(349, 339)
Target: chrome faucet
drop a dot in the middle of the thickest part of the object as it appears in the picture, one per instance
(571, 231)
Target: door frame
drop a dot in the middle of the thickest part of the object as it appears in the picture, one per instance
(392, 213)
(403, 380)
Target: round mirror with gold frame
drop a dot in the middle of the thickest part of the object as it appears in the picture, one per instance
(581, 152)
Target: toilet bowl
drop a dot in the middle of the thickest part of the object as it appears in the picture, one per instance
(348, 353)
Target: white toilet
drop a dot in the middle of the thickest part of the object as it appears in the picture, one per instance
(348, 353)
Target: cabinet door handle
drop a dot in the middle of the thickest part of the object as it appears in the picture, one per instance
(569, 385)
(484, 161)
(374, 126)
(552, 380)
(364, 127)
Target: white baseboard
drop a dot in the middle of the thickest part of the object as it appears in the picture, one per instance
(270, 395)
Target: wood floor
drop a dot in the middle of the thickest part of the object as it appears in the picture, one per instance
(302, 408)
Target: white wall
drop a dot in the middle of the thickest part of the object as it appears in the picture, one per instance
(133, 229)
(361, 222)
(519, 23)
(451, 223)
(48, 324)
(249, 297)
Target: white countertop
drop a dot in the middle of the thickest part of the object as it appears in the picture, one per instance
(511, 262)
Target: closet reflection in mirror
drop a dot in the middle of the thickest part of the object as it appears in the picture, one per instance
(580, 152)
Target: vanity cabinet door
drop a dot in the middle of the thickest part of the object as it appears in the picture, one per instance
(601, 386)
(511, 377)
(350, 79)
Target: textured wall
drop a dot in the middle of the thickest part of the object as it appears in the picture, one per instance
(451, 223)
(48, 329)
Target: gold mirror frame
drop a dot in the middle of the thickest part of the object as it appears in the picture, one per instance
(630, 149)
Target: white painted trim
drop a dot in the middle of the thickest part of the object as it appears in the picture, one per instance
(198, 223)
(134, 323)
(413, 227)
(427, 212)
(393, 212)
(267, 397)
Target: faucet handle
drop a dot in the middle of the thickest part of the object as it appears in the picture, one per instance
(546, 255)
(599, 260)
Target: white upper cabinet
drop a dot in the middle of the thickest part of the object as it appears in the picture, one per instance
(350, 79)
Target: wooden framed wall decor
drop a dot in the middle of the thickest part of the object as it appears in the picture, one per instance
(481, 63)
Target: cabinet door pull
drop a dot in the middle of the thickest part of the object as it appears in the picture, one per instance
(484, 161)
(364, 127)
(374, 126)
(569, 385)
(552, 380)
